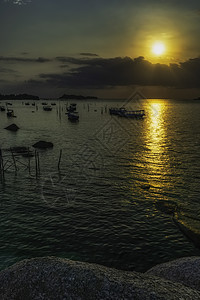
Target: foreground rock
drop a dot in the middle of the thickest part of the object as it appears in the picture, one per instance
(184, 270)
(54, 278)
(43, 145)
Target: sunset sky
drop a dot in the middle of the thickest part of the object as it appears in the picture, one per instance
(101, 48)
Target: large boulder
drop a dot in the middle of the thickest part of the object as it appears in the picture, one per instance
(183, 270)
(54, 278)
(43, 145)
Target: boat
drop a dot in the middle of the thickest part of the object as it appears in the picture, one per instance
(44, 103)
(2, 108)
(73, 116)
(138, 114)
(47, 108)
(10, 113)
(116, 111)
(72, 107)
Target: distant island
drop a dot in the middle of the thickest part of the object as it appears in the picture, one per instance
(77, 97)
(19, 97)
(32, 97)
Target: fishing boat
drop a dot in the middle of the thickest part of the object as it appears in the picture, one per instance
(72, 107)
(47, 108)
(135, 114)
(10, 113)
(116, 111)
(73, 116)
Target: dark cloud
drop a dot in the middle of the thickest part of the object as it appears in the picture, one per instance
(88, 54)
(101, 72)
(21, 59)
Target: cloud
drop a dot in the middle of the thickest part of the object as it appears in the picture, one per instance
(118, 71)
(88, 54)
(21, 59)
(105, 73)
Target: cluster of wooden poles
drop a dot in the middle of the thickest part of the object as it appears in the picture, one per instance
(12, 161)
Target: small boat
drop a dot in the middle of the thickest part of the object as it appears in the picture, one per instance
(10, 113)
(53, 103)
(2, 108)
(72, 107)
(47, 108)
(27, 103)
(117, 111)
(44, 103)
(138, 114)
(73, 116)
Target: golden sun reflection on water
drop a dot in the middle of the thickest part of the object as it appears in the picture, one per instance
(156, 158)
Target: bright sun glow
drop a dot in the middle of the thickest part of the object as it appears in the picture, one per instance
(158, 48)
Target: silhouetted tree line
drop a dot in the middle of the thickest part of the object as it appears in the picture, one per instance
(18, 97)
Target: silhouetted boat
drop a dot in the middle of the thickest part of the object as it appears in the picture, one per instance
(10, 113)
(116, 111)
(72, 107)
(132, 114)
(47, 108)
(73, 116)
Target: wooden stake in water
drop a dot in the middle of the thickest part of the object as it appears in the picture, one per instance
(59, 159)
(13, 157)
(36, 164)
(1, 164)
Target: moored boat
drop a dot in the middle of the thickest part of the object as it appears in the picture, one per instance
(116, 111)
(47, 108)
(133, 114)
(72, 107)
(10, 113)
(73, 116)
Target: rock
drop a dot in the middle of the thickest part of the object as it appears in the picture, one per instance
(12, 127)
(53, 278)
(184, 270)
(43, 145)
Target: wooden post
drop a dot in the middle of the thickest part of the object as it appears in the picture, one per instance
(13, 157)
(1, 164)
(36, 164)
(29, 161)
(59, 159)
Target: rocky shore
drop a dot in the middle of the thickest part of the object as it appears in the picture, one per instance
(51, 278)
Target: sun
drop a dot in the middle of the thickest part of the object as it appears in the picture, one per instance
(158, 48)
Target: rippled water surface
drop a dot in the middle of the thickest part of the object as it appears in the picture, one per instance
(119, 183)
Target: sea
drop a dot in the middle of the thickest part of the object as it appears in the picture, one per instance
(109, 190)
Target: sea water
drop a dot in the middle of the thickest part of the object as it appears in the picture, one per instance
(120, 181)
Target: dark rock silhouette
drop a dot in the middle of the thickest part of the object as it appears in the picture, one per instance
(12, 127)
(55, 278)
(77, 97)
(18, 97)
(184, 270)
(43, 145)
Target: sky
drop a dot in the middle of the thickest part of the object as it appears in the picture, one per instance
(101, 48)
